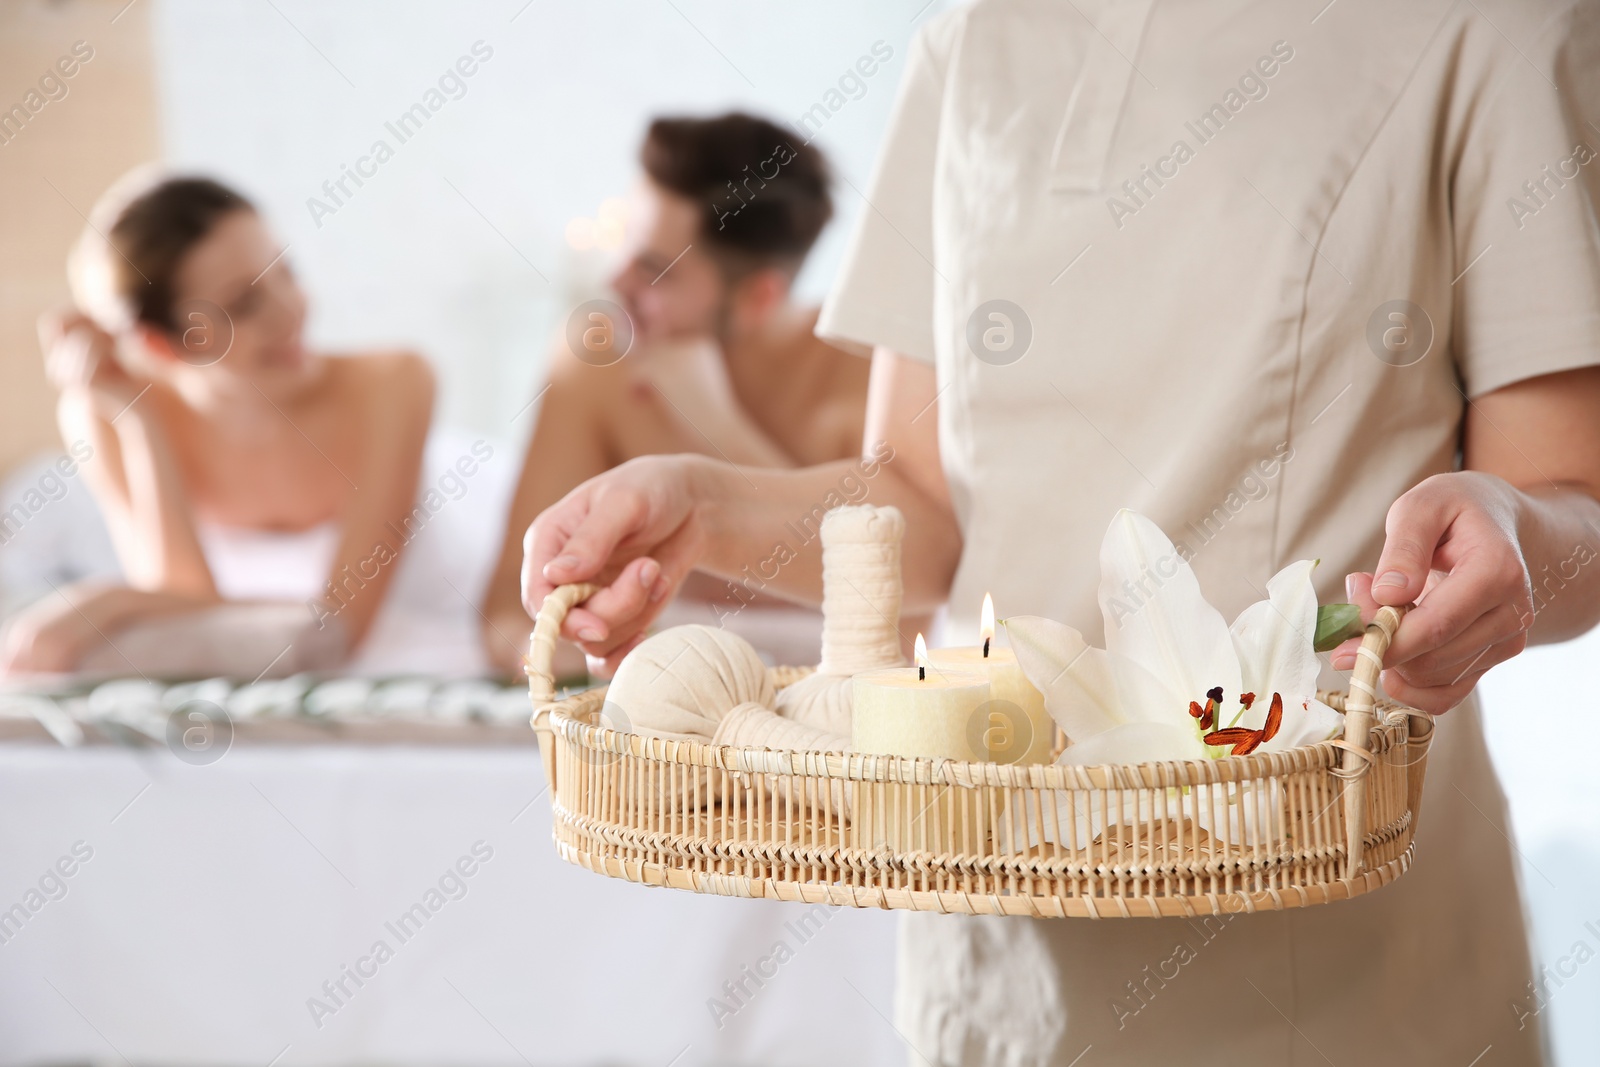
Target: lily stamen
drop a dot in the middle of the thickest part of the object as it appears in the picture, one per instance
(1244, 739)
(1274, 718)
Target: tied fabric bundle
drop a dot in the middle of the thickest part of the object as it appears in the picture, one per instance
(861, 593)
(699, 683)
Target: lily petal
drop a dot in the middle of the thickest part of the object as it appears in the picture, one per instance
(1306, 725)
(1135, 742)
(1156, 616)
(1273, 638)
(1080, 692)
(1145, 698)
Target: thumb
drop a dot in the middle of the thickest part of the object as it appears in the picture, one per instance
(1357, 591)
(1415, 525)
(608, 517)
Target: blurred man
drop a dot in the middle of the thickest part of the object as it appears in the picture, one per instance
(721, 361)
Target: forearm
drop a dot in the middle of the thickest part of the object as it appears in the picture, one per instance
(1558, 528)
(762, 525)
(567, 447)
(500, 598)
(109, 608)
(165, 550)
(638, 530)
(237, 640)
(505, 631)
(503, 624)
(693, 381)
(738, 439)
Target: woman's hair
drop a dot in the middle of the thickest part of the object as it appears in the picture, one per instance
(124, 268)
(763, 193)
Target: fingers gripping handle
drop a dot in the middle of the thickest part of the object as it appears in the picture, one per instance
(539, 664)
(1358, 717)
(1358, 708)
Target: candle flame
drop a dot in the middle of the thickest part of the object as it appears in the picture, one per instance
(921, 656)
(986, 627)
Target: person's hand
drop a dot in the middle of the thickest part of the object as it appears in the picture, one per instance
(80, 356)
(54, 633)
(690, 374)
(1451, 545)
(635, 531)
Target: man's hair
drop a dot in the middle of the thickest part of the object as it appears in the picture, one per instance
(763, 193)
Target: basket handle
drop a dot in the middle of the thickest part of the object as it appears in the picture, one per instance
(1359, 705)
(539, 663)
(1359, 711)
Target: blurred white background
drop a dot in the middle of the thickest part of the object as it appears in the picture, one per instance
(459, 245)
(1542, 714)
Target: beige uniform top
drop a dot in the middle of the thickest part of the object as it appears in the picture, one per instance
(1254, 265)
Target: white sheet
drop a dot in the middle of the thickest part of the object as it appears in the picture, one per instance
(219, 898)
(429, 622)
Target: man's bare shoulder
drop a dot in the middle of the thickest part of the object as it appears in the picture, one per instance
(842, 365)
(828, 375)
(837, 399)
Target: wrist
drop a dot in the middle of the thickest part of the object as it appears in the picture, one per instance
(107, 607)
(711, 486)
(1487, 494)
(130, 419)
(1555, 523)
(1530, 517)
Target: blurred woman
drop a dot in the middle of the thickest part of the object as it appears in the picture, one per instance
(184, 368)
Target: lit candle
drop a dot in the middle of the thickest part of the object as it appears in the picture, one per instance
(1018, 728)
(924, 710)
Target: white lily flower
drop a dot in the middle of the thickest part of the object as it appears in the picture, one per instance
(1167, 654)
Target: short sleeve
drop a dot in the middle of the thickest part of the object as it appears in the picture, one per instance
(1524, 196)
(884, 293)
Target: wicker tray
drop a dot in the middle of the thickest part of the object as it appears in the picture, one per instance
(1332, 820)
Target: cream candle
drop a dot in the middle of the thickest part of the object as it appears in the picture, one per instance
(1017, 729)
(919, 711)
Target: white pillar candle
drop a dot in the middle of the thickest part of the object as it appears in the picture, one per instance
(1017, 728)
(919, 711)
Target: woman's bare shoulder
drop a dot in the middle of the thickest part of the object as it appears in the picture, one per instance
(393, 375)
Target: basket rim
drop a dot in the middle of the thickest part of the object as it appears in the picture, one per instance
(1028, 905)
(1079, 862)
(1388, 729)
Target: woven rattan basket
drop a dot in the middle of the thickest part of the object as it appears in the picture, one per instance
(987, 838)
